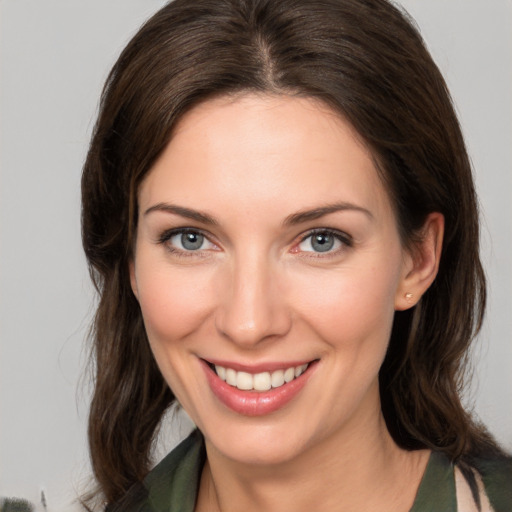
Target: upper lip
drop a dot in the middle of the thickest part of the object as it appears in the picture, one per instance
(269, 366)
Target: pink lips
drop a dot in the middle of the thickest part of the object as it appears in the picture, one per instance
(255, 403)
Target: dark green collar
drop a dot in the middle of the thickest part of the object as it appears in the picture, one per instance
(173, 484)
(436, 492)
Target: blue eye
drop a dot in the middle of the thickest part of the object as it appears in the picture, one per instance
(187, 241)
(322, 242)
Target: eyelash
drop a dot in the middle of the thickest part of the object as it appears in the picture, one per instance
(166, 236)
(345, 240)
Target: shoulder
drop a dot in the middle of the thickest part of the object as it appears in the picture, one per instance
(485, 486)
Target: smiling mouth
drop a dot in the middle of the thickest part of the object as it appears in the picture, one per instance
(264, 390)
(263, 381)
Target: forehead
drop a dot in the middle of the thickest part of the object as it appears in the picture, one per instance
(257, 152)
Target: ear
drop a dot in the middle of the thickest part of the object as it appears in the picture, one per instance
(421, 263)
(133, 279)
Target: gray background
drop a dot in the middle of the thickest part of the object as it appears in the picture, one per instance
(55, 55)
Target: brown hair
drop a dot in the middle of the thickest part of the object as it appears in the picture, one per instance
(366, 60)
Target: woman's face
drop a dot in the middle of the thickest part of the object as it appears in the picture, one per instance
(267, 246)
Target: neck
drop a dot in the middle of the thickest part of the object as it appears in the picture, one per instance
(351, 470)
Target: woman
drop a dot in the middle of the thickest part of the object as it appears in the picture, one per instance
(280, 219)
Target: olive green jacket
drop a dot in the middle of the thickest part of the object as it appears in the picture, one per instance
(173, 484)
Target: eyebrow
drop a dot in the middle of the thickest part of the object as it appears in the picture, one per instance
(291, 220)
(316, 213)
(183, 212)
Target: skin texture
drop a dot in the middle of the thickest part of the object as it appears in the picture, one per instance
(256, 292)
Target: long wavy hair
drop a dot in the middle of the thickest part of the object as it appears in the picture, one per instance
(365, 60)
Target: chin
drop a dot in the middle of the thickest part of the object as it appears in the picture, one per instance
(265, 443)
(263, 453)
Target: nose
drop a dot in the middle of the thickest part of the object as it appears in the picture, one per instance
(252, 306)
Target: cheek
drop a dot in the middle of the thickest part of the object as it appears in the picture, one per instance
(351, 307)
(173, 304)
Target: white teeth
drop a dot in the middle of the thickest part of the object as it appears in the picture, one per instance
(260, 381)
(299, 370)
(277, 378)
(221, 372)
(244, 381)
(231, 376)
(289, 374)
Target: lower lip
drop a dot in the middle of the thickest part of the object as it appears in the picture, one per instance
(255, 403)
